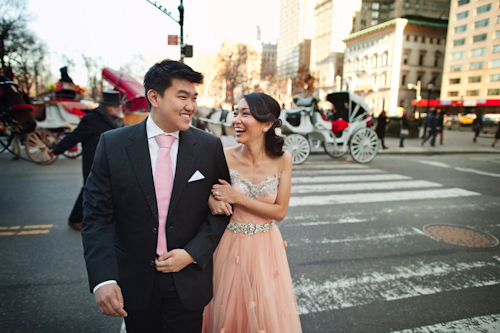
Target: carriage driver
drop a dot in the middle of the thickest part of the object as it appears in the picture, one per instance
(108, 115)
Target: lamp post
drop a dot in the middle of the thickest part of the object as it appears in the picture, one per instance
(430, 86)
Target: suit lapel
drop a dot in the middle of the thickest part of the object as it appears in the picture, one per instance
(186, 157)
(138, 153)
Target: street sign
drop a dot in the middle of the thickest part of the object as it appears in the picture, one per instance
(173, 40)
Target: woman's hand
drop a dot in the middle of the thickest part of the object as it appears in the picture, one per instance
(219, 207)
(224, 192)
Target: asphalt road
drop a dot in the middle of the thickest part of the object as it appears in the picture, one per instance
(359, 259)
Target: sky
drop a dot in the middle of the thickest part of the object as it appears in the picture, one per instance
(120, 30)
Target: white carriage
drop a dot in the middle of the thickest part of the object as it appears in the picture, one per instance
(303, 124)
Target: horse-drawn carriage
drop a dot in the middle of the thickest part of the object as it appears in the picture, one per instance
(303, 124)
(42, 124)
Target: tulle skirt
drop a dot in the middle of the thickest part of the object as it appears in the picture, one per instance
(253, 291)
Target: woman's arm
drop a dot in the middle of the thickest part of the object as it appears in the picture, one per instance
(277, 210)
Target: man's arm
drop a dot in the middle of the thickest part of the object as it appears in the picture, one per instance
(81, 132)
(98, 227)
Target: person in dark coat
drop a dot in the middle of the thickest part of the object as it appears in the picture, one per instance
(404, 129)
(97, 121)
(380, 128)
(497, 136)
(477, 125)
(431, 128)
(440, 125)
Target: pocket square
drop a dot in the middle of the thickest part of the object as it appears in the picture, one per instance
(196, 176)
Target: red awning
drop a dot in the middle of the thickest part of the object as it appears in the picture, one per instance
(450, 103)
(129, 87)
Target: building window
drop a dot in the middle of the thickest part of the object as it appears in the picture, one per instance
(405, 59)
(496, 48)
(374, 15)
(460, 28)
(415, 39)
(495, 63)
(472, 93)
(374, 22)
(458, 42)
(452, 93)
(423, 39)
(436, 61)
(498, 19)
(375, 6)
(457, 55)
(421, 60)
(494, 77)
(438, 41)
(403, 80)
(462, 15)
(431, 40)
(484, 9)
(497, 34)
(408, 37)
(456, 68)
(478, 52)
(474, 79)
(463, 2)
(455, 81)
(482, 23)
(493, 91)
(476, 65)
(479, 38)
(407, 4)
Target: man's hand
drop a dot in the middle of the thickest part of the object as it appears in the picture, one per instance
(51, 152)
(110, 300)
(173, 261)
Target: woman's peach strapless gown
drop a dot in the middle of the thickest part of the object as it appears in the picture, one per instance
(253, 291)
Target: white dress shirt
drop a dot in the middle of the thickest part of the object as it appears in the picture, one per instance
(153, 130)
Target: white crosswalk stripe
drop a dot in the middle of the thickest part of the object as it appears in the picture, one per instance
(351, 184)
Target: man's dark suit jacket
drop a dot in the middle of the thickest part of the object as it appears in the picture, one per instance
(121, 217)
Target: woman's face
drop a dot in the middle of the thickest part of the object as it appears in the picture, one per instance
(245, 125)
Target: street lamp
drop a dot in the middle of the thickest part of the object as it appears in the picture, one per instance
(430, 86)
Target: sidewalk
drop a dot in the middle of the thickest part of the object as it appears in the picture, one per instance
(454, 142)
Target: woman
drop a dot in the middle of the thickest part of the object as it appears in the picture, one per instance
(380, 128)
(253, 289)
(404, 129)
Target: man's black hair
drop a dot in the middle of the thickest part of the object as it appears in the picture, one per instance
(159, 76)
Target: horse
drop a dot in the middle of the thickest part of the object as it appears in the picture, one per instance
(216, 121)
(15, 113)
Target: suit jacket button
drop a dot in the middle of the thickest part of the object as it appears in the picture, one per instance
(152, 262)
(155, 231)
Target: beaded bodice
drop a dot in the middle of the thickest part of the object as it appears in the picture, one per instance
(255, 191)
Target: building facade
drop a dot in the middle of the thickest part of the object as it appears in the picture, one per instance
(332, 23)
(471, 75)
(374, 12)
(269, 60)
(381, 61)
(295, 25)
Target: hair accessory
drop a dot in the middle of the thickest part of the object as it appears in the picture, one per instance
(277, 131)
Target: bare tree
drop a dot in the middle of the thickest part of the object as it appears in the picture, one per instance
(13, 19)
(93, 74)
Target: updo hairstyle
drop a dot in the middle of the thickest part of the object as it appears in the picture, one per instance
(265, 109)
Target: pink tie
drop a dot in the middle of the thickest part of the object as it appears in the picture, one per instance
(164, 181)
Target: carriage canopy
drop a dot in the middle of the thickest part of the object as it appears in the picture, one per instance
(129, 87)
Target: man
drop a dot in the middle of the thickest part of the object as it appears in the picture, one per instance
(108, 115)
(431, 124)
(152, 267)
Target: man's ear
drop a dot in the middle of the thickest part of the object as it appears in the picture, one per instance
(152, 96)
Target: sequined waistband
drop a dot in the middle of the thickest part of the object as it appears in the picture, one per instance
(250, 228)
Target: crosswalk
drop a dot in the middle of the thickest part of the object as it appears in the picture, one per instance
(320, 189)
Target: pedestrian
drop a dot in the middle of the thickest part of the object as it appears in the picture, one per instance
(253, 289)
(431, 128)
(440, 125)
(107, 116)
(404, 129)
(380, 128)
(497, 135)
(477, 125)
(148, 233)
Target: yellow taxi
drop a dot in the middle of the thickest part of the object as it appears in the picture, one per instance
(467, 119)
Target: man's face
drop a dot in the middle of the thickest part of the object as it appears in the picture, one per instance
(116, 110)
(174, 111)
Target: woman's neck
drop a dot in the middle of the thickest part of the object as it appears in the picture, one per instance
(254, 153)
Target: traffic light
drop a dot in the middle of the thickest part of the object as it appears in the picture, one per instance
(187, 51)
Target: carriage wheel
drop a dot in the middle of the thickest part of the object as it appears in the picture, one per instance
(333, 150)
(364, 145)
(37, 146)
(298, 146)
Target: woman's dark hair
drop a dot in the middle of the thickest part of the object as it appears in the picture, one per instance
(159, 76)
(265, 109)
